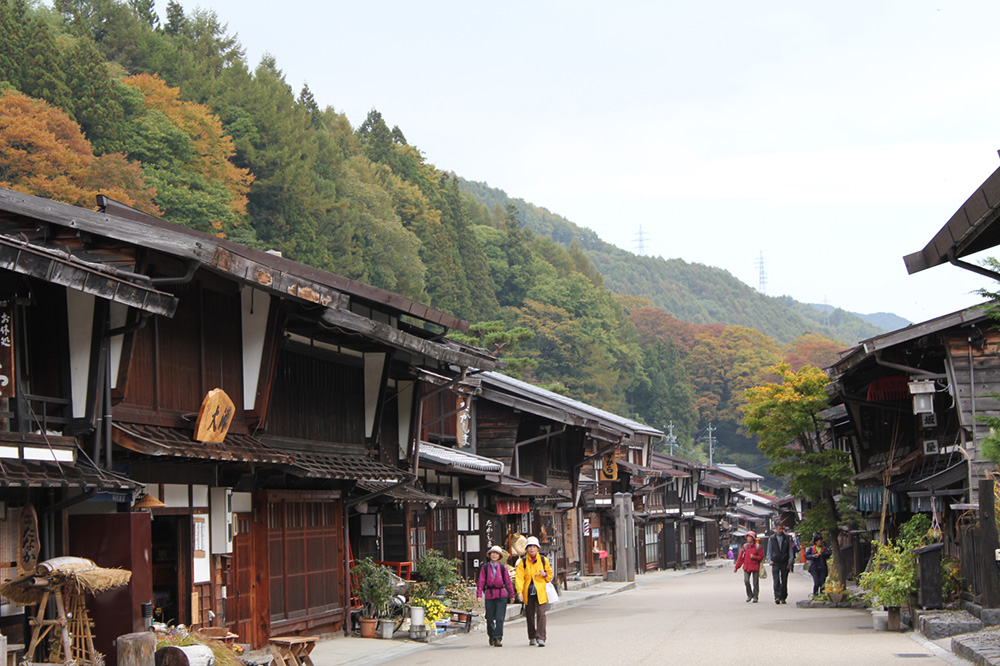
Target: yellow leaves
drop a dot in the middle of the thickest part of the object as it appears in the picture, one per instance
(213, 148)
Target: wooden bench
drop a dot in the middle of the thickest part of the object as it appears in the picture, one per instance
(292, 650)
(462, 617)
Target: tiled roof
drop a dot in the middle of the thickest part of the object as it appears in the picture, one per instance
(459, 460)
(177, 442)
(50, 474)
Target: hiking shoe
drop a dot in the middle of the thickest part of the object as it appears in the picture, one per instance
(541, 643)
(755, 600)
(497, 643)
(749, 599)
(532, 642)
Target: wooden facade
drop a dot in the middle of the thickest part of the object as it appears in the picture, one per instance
(122, 324)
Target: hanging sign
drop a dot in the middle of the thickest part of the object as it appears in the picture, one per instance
(508, 506)
(214, 417)
(27, 539)
(609, 468)
(7, 348)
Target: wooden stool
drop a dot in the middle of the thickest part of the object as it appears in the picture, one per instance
(292, 650)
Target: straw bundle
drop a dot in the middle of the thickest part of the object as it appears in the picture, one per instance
(80, 573)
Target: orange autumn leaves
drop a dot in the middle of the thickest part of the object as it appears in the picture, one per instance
(43, 152)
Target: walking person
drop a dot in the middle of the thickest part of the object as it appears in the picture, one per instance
(532, 573)
(817, 555)
(781, 555)
(494, 583)
(750, 557)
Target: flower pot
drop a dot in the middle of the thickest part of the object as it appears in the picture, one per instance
(386, 628)
(368, 626)
(836, 597)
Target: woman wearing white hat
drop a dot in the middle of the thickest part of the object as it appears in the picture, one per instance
(494, 582)
(532, 573)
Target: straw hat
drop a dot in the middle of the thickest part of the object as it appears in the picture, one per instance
(519, 547)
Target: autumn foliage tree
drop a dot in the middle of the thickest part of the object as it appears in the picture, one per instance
(785, 415)
(43, 152)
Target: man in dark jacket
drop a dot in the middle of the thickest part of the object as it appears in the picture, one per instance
(780, 552)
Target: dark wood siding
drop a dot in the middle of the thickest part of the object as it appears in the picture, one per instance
(496, 431)
(317, 399)
(305, 558)
(175, 362)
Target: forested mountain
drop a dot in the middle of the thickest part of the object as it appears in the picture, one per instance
(96, 96)
(693, 292)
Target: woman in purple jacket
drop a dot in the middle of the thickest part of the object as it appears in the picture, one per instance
(494, 582)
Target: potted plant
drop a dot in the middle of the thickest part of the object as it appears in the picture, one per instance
(890, 579)
(373, 588)
(437, 571)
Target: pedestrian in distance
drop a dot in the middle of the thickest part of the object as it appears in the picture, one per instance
(533, 571)
(817, 556)
(494, 583)
(750, 557)
(781, 554)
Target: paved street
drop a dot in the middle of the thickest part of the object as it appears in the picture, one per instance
(699, 618)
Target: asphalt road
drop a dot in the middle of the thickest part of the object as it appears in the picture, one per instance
(700, 618)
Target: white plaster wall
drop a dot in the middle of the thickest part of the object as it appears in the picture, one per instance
(80, 312)
(373, 383)
(404, 399)
(254, 331)
(119, 315)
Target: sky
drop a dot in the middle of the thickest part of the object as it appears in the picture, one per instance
(822, 140)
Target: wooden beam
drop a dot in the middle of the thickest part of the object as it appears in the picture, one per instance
(405, 341)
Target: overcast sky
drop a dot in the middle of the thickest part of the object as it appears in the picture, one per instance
(829, 138)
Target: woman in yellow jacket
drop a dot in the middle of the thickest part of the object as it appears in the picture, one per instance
(532, 573)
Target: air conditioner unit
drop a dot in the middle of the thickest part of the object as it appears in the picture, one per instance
(928, 420)
(931, 447)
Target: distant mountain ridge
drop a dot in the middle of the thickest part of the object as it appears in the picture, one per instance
(692, 292)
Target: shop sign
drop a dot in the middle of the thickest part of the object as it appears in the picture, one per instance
(214, 417)
(7, 348)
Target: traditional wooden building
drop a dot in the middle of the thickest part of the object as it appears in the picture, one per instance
(319, 383)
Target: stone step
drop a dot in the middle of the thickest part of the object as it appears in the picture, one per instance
(989, 616)
(936, 625)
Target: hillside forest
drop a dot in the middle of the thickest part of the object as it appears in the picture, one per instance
(101, 96)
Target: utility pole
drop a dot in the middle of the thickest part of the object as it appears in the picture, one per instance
(711, 445)
(640, 242)
(671, 437)
(762, 276)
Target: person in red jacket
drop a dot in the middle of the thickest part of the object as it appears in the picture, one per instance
(495, 584)
(750, 557)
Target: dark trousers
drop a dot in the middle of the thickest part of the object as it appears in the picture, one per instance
(496, 612)
(753, 591)
(534, 613)
(819, 578)
(780, 573)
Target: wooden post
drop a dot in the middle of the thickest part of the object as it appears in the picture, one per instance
(136, 649)
(990, 541)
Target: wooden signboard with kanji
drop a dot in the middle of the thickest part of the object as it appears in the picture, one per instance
(7, 348)
(27, 536)
(214, 417)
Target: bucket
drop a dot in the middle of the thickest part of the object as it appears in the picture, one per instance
(880, 620)
(416, 616)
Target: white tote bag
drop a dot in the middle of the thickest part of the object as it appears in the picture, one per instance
(550, 593)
